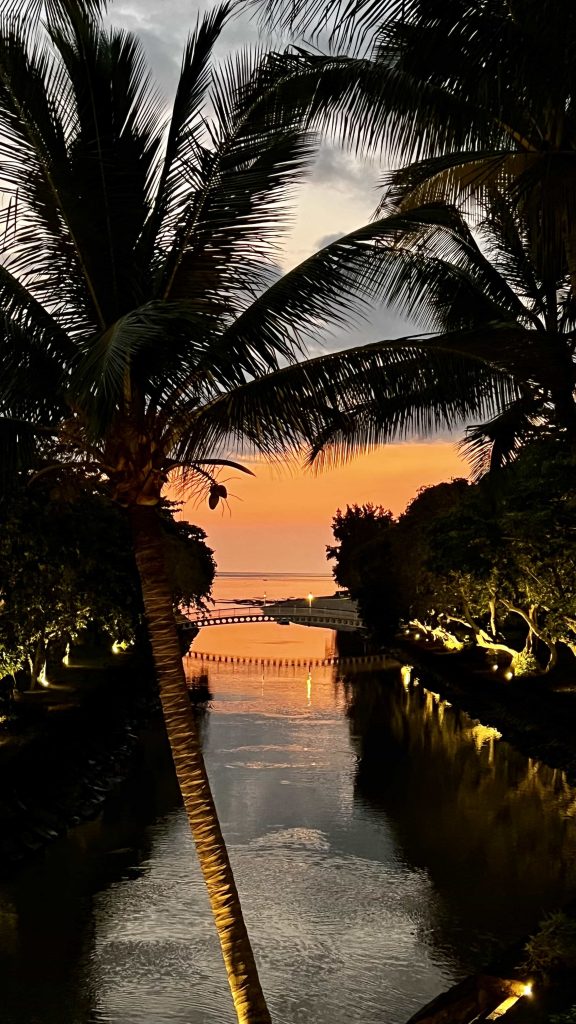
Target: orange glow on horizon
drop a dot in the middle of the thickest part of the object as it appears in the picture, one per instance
(280, 520)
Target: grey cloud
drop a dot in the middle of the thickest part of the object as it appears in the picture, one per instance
(328, 239)
(339, 169)
(163, 26)
(375, 324)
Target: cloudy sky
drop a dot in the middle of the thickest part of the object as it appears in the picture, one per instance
(281, 519)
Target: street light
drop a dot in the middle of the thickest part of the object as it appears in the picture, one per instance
(310, 599)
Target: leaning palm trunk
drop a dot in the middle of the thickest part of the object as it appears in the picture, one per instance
(184, 741)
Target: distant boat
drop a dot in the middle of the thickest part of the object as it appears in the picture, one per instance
(283, 622)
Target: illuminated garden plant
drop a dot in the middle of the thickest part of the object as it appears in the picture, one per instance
(466, 564)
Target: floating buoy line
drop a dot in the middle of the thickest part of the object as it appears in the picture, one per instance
(364, 661)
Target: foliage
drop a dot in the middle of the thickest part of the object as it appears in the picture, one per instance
(189, 561)
(553, 948)
(568, 1017)
(357, 531)
(491, 564)
(427, 527)
(509, 552)
(140, 286)
(144, 330)
(476, 284)
(61, 566)
(476, 112)
(364, 563)
(462, 99)
(67, 564)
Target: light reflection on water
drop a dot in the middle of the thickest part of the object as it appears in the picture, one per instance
(383, 845)
(335, 912)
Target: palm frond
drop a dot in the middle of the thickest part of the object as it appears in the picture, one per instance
(445, 78)
(244, 186)
(423, 263)
(461, 177)
(373, 107)
(156, 343)
(493, 445)
(81, 129)
(112, 153)
(347, 401)
(228, 463)
(33, 10)
(537, 186)
(177, 174)
(22, 308)
(33, 376)
(38, 247)
(447, 287)
(530, 357)
(511, 253)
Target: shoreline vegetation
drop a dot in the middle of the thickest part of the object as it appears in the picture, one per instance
(472, 589)
(486, 566)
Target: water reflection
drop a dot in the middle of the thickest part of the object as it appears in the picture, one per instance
(47, 924)
(336, 915)
(495, 830)
(383, 845)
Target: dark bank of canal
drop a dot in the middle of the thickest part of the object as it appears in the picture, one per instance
(385, 845)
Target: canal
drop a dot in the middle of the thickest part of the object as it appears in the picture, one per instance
(384, 845)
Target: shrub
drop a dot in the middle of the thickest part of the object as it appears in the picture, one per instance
(553, 948)
(568, 1017)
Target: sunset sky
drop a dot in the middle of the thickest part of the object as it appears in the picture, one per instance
(281, 521)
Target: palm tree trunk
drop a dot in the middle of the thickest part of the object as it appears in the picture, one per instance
(184, 741)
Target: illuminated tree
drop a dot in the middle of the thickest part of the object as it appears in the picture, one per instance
(500, 563)
(66, 565)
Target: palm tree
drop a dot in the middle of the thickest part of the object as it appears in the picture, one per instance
(143, 329)
(486, 297)
(461, 97)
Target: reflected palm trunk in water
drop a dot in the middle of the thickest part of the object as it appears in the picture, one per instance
(387, 845)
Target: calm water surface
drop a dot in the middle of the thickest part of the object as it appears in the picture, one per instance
(384, 845)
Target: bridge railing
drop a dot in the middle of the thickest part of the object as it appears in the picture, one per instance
(225, 610)
(279, 611)
(307, 611)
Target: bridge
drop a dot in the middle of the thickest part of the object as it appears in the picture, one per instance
(326, 613)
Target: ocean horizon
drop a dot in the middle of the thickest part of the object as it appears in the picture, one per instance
(270, 574)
